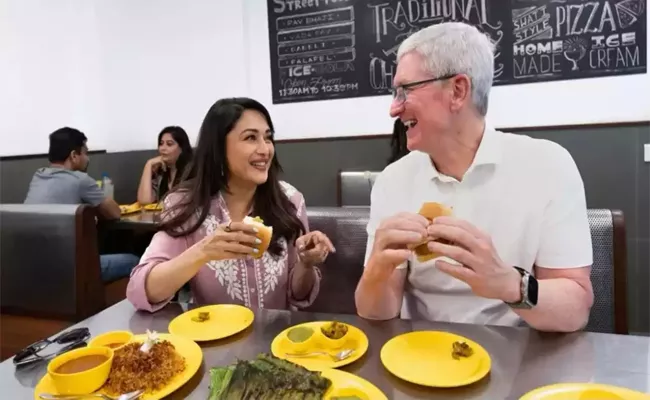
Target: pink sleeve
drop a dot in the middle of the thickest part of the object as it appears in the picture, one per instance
(299, 202)
(162, 248)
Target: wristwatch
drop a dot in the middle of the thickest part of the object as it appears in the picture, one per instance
(529, 291)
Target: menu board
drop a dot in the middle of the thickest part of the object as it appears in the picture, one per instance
(333, 49)
(569, 39)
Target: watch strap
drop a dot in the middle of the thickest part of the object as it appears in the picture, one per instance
(524, 288)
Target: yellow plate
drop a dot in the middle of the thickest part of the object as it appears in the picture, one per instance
(424, 358)
(153, 207)
(225, 320)
(187, 348)
(130, 209)
(584, 391)
(356, 340)
(346, 384)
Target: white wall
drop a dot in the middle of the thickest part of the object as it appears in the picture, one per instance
(167, 62)
(120, 70)
(50, 73)
(584, 101)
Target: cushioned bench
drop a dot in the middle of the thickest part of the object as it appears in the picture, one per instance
(50, 267)
(354, 187)
(346, 227)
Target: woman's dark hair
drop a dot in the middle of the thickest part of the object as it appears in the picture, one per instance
(180, 136)
(398, 147)
(209, 175)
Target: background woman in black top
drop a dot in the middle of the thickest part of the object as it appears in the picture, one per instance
(165, 171)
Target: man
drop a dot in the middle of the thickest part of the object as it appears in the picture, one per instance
(520, 241)
(65, 182)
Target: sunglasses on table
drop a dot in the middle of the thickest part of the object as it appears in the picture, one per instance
(70, 340)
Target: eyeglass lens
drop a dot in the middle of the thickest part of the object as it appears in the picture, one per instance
(397, 93)
(30, 350)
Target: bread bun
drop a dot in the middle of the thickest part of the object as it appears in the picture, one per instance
(264, 233)
(430, 211)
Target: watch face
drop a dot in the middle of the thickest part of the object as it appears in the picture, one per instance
(533, 289)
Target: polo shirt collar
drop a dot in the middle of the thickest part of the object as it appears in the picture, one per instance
(488, 153)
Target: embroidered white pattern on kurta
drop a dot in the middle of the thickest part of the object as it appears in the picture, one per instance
(226, 271)
(258, 280)
(289, 190)
(210, 224)
(273, 268)
(232, 274)
(244, 284)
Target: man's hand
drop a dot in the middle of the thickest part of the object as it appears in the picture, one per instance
(482, 269)
(392, 239)
(381, 288)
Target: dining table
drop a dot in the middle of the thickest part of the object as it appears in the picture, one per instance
(522, 359)
(141, 221)
(132, 233)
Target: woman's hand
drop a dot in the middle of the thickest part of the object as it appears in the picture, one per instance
(156, 164)
(313, 248)
(232, 241)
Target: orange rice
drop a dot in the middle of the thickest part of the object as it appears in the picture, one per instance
(134, 369)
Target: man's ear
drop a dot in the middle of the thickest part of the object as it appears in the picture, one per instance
(461, 91)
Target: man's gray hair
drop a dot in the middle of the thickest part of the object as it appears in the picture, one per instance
(456, 48)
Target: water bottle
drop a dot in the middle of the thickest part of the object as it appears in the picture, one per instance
(107, 184)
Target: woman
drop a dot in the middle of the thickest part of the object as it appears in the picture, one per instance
(203, 240)
(398, 147)
(164, 172)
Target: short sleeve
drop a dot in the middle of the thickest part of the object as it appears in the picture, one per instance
(90, 192)
(565, 238)
(380, 209)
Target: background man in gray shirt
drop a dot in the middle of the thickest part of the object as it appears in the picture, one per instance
(65, 181)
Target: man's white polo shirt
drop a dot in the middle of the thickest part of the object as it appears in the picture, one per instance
(526, 193)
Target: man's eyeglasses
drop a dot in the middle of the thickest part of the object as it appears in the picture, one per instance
(399, 93)
(69, 340)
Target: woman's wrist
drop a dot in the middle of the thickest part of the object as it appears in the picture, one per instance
(195, 256)
(306, 265)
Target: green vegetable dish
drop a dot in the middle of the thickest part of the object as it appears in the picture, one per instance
(300, 334)
(267, 378)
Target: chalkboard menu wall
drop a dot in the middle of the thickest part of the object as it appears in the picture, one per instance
(333, 49)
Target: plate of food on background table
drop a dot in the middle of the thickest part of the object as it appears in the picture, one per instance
(116, 363)
(320, 345)
(133, 208)
(153, 207)
(126, 209)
